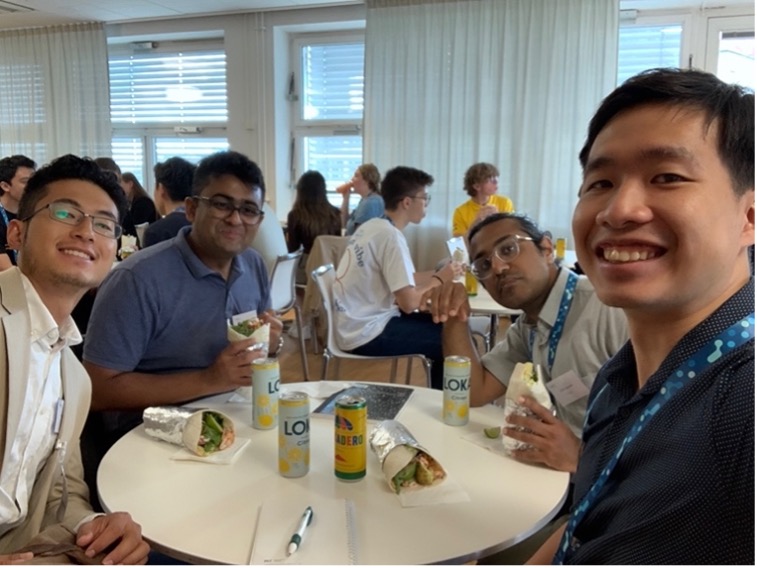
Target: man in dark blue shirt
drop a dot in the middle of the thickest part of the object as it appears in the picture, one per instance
(662, 227)
(173, 185)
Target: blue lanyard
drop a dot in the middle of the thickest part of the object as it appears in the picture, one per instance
(557, 329)
(10, 252)
(733, 337)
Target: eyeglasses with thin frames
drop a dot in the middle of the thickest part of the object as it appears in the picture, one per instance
(223, 207)
(506, 251)
(426, 197)
(70, 215)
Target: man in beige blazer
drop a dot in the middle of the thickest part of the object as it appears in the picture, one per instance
(65, 235)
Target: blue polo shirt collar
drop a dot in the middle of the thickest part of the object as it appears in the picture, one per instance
(197, 267)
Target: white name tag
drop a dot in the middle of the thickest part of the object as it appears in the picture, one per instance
(567, 388)
(239, 318)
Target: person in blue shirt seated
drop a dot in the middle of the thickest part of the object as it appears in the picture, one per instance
(173, 186)
(366, 183)
(664, 219)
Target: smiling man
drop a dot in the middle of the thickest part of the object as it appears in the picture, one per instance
(65, 234)
(663, 223)
(157, 334)
(565, 329)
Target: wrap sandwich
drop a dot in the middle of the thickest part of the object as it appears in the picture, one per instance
(202, 432)
(526, 380)
(251, 328)
(405, 463)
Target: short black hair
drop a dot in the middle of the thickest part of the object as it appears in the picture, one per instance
(228, 163)
(401, 182)
(70, 167)
(10, 164)
(175, 174)
(730, 107)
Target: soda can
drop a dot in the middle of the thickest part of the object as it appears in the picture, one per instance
(294, 434)
(560, 248)
(265, 393)
(471, 284)
(456, 390)
(350, 416)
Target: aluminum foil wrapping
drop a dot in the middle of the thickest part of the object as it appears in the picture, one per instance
(167, 422)
(389, 434)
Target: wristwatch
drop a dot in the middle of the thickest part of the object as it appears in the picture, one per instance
(279, 345)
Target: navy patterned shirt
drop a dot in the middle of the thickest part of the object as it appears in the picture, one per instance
(683, 491)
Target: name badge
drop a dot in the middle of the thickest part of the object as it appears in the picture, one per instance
(239, 318)
(567, 388)
(58, 416)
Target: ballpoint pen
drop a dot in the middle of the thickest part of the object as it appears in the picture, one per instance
(296, 540)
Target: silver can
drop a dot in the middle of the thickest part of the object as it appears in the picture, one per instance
(265, 393)
(455, 408)
(294, 434)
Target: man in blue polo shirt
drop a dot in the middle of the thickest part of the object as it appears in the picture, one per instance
(157, 334)
(662, 226)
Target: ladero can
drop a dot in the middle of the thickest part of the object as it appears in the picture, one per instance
(294, 434)
(471, 284)
(560, 248)
(456, 403)
(265, 393)
(350, 415)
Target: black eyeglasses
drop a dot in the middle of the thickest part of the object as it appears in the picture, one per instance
(506, 250)
(69, 215)
(223, 207)
(426, 197)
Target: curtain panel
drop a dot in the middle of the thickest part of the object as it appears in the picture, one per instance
(510, 82)
(54, 94)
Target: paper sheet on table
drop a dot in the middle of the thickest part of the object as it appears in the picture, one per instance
(448, 491)
(492, 444)
(224, 457)
(318, 389)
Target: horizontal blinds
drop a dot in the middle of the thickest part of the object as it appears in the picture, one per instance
(336, 157)
(647, 47)
(332, 81)
(176, 88)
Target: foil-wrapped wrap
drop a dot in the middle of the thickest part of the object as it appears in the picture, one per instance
(526, 380)
(405, 463)
(201, 431)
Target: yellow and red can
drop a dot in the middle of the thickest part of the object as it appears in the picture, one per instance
(350, 449)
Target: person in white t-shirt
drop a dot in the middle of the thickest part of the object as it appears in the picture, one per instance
(377, 290)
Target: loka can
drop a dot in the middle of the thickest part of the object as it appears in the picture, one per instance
(456, 390)
(350, 415)
(265, 393)
(294, 434)
(471, 284)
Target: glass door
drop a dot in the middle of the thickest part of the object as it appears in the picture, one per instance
(730, 49)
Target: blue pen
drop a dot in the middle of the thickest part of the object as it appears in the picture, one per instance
(296, 540)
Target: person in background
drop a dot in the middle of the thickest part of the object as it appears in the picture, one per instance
(15, 172)
(158, 331)
(377, 291)
(480, 183)
(311, 215)
(664, 218)
(66, 231)
(565, 329)
(173, 185)
(365, 183)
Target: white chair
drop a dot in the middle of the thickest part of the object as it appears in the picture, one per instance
(480, 326)
(324, 278)
(284, 297)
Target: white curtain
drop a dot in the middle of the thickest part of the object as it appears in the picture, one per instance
(54, 95)
(510, 82)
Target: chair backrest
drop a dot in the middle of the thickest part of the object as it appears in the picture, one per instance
(324, 277)
(283, 296)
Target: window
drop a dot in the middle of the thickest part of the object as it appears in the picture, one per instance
(167, 99)
(326, 92)
(643, 47)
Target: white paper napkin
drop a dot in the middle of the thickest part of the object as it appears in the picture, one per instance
(224, 457)
(492, 444)
(449, 491)
(318, 389)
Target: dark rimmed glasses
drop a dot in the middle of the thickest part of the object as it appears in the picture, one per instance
(68, 214)
(506, 251)
(223, 207)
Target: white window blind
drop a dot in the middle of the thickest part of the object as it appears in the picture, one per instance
(647, 47)
(332, 81)
(176, 88)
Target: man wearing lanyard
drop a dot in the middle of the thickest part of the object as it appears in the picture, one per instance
(15, 172)
(66, 232)
(666, 475)
(173, 185)
(565, 329)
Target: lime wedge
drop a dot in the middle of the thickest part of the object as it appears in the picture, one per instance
(493, 432)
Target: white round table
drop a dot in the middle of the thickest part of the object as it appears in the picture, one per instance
(207, 513)
(483, 304)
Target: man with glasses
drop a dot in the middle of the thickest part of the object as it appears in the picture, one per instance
(158, 329)
(65, 234)
(378, 291)
(565, 329)
(15, 172)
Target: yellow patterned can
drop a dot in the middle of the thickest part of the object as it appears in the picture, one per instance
(265, 393)
(456, 390)
(350, 416)
(560, 248)
(294, 434)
